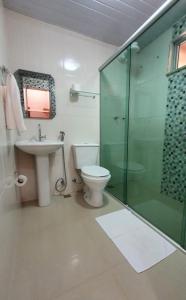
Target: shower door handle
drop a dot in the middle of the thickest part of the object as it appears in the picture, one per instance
(116, 118)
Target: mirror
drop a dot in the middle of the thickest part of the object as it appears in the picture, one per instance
(37, 103)
(37, 91)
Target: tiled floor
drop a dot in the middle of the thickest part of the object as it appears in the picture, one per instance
(61, 253)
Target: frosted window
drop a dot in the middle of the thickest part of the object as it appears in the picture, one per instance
(181, 55)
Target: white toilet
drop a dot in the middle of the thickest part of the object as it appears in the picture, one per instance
(135, 170)
(94, 177)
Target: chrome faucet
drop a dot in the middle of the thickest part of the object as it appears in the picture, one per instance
(40, 136)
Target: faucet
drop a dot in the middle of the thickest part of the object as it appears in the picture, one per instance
(40, 136)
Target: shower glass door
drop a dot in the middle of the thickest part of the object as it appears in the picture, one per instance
(114, 122)
(143, 143)
(156, 148)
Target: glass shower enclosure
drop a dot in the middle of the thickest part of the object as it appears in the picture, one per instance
(143, 124)
(114, 122)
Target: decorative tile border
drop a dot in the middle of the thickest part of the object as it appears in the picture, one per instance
(179, 27)
(174, 153)
(37, 80)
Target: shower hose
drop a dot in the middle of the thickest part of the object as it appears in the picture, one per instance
(61, 183)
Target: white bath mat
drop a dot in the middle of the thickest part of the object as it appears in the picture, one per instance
(142, 246)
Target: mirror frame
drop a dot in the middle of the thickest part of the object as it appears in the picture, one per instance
(19, 74)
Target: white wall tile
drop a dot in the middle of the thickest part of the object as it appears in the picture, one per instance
(8, 201)
(37, 46)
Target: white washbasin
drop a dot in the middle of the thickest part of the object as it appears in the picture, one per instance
(39, 148)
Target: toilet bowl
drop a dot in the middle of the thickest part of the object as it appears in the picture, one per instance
(135, 171)
(95, 179)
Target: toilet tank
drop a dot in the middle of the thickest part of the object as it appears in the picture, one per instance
(85, 154)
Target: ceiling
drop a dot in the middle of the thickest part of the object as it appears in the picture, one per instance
(110, 21)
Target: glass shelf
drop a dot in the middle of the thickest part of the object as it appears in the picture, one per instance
(83, 94)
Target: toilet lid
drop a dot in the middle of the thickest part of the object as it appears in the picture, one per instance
(95, 171)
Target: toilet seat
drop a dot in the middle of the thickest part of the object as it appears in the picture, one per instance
(95, 171)
(95, 179)
(132, 167)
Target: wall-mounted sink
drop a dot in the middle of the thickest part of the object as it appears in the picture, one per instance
(41, 150)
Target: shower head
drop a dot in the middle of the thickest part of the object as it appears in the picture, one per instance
(135, 47)
(122, 58)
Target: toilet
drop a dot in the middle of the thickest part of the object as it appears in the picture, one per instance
(135, 170)
(95, 178)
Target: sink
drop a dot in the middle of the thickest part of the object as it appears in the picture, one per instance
(41, 150)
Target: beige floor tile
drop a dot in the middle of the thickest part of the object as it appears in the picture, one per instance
(58, 249)
(103, 287)
(60, 252)
(9, 230)
(166, 280)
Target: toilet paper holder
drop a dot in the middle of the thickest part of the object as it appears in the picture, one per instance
(20, 179)
(15, 179)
